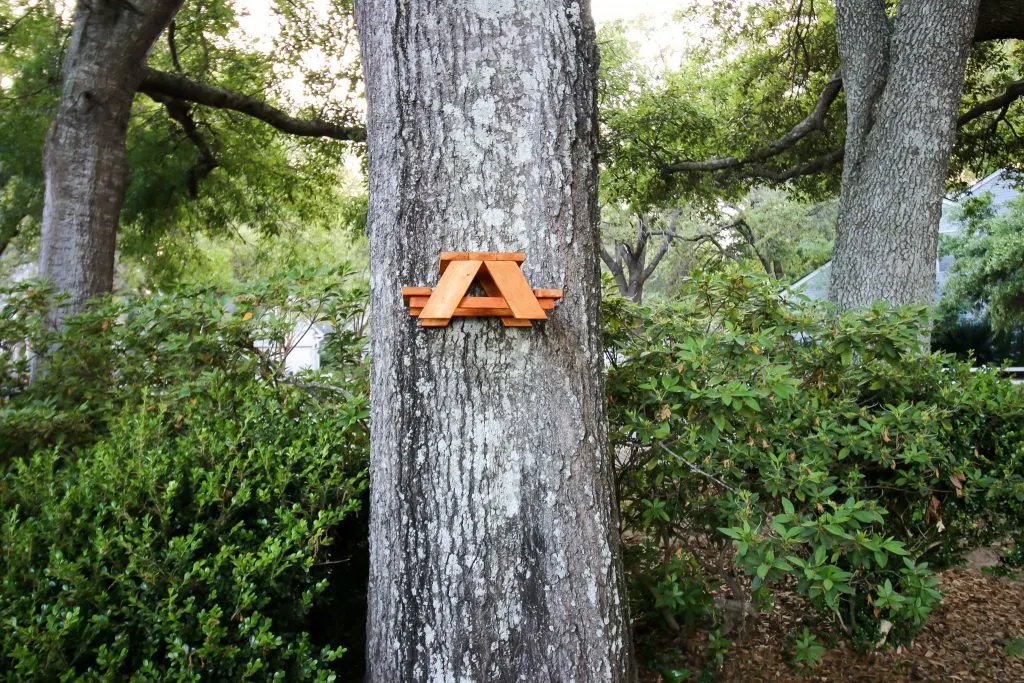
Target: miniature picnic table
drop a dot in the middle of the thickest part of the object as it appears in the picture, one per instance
(499, 273)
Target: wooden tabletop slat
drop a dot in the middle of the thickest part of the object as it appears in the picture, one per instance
(499, 273)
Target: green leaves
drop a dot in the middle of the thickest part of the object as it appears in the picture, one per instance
(819, 451)
(191, 512)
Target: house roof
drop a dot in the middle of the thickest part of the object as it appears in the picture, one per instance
(1001, 185)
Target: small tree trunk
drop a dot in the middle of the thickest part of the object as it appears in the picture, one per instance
(494, 547)
(903, 80)
(84, 158)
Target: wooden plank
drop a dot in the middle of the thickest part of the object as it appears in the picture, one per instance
(480, 302)
(487, 282)
(470, 312)
(467, 302)
(448, 257)
(434, 322)
(509, 279)
(548, 293)
(416, 291)
(517, 256)
(450, 289)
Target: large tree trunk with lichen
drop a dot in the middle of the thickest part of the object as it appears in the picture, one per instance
(494, 549)
(84, 158)
(903, 78)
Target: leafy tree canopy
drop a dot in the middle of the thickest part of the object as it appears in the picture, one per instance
(195, 169)
(988, 274)
(758, 98)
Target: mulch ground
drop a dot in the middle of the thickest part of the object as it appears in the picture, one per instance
(965, 640)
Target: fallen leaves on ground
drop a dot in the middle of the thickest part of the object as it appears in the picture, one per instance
(966, 639)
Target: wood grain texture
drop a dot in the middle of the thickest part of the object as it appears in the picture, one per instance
(450, 290)
(509, 280)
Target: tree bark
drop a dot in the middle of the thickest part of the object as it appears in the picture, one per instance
(84, 162)
(903, 80)
(494, 548)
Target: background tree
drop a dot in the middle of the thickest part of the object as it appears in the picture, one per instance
(202, 155)
(986, 284)
(903, 78)
(494, 548)
(775, 67)
(651, 110)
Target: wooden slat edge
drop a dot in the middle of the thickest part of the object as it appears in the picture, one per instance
(517, 256)
(473, 312)
(478, 302)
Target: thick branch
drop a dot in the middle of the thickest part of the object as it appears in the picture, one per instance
(666, 242)
(615, 267)
(1014, 92)
(815, 120)
(161, 84)
(999, 19)
(811, 167)
(180, 112)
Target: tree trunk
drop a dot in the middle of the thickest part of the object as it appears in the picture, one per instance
(494, 548)
(903, 80)
(84, 159)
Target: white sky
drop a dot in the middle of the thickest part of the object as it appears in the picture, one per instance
(610, 10)
(603, 11)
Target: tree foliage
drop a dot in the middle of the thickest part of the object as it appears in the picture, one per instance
(756, 98)
(195, 169)
(987, 275)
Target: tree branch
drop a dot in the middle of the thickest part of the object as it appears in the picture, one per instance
(180, 112)
(815, 120)
(172, 45)
(807, 168)
(999, 19)
(1013, 92)
(666, 242)
(159, 84)
(616, 269)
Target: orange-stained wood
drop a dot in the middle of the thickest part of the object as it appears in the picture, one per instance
(449, 256)
(487, 282)
(461, 312)
(416, 291)
(509, 279)
(509, 296)
(450, 289)
(482, 302)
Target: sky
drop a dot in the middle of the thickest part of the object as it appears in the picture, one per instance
(603, 11)
(610, 10)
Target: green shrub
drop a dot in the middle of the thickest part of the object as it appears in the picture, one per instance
(175, 506)
(814, 450)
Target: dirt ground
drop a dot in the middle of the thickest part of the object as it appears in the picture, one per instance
(965, 640)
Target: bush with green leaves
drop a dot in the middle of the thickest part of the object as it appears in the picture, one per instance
(817, 451)
(175, 506)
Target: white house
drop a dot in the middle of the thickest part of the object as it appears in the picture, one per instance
(1001, 186)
